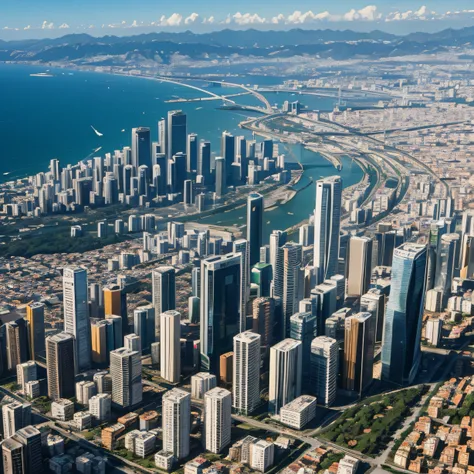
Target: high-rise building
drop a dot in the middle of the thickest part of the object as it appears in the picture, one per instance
(115, 303)
(324, 369)
(241, 246)
(327, 217)
(141, 147)
(30, 438)
(100, 406)
(35, 318)
(359, 346)
(162, 135)
(26, 372)
(255, 210)
(467, 257)
(220, 307)
(60, 356)
(285, 374)
(99, 342)
(164, 292)
(228, 152)
(220, 172)
(12, 457)
(133, 343)
(448, 250)
(262, 276)
(358, 268)
(401, 352)
(144, 325)
(285, 281)
(246, 372)
(226, 366)
(76, 314)
(374, 302)
(264, 319)
(176, 133)
(170, 346)
(176, 413)
(277, 239)
(192, 152)
(303, 328)
(202, 383)
(17, 348)
(126, 372)
(15, 416)
(204, 162)
(218, 419)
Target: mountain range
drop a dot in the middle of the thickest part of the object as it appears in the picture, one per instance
(163, 46)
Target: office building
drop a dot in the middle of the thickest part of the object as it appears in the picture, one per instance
(359, 347)
(85, 390)
(170, 346)
(285, 374)
(133, 343)
(144, 325)
(220, 173)
(202, 383)
(141, 147)
(448, 250)
(433, 331)
(303, 329)
(401, 351)
(241, 246)
(324, 369)
(255, 211)
(262, 455)
(327, 217)
(374, 302)
(177, 133)
(261, 276)
(164, 292)
(126, 372)
(246, 372)
(60, 356)
(299, 412)
(176, 413)
(62, 409)
(100, 406)
(12, 457)
(26, 372)
(192, 152)
(99, 342)
(228, 153)
(220, 307)
(359, 266)
(115, 303)
(35, 318)
(30, 438)
(76, 314)
(226, 366)
(17, 350)
(286, 278)
(15, 416)
(264, 319)
(217, 419)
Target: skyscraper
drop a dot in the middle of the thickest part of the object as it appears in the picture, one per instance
(126, 372)
(242, 246)
(228, 153)
(358, 268)
(76, 314)
(401, 352)
(359, 346)
(99, 342)
(141, 147)
(220, 172)
(162, 135)
(60, 356)
(164, 292)
(176, 133)
(15, 416)
(264, 319)
(220, 307)
(467, 257)
(327, 216)
(115, 303)
(170, 346)
(204, 161)
(285, 374)
(255, 210)
(35, 318)
(144, 325)
(217, 419)
(448, 249)
(30, 438)
(285, 281)
(303, 328)
(176, 414)
(324, 369)
(192, 152)
(246, 372)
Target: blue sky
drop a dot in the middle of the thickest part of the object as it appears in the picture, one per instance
(41, 18)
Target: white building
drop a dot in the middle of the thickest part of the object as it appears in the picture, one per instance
(133, 343)
(164, 460)
(126, 372)
(26, 372)
(218, 419)
(82, 420)
(144, 444)
(33, 389)
(170, 346)
(15, 416)
(433, 331)
(262, 454)
(285, 373)
(176, 413)
(202, 383)
(62, 409)
(100, 406)
(298, 413)
(76, 314)
(348, 465)
(85, 391)
(433, 300)
(324, 368)
(246, 372)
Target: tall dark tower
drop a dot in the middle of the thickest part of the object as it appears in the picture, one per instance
(255, 210)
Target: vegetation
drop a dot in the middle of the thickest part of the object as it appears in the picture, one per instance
(148, 463)
(367, 427)
(12, 387)
(456, 414)
(42, 404)
(331, 458)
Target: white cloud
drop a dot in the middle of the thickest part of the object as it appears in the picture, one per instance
(173, 20)
(247, 19)
(280, 18)
(191, 19)
(47, 26)
(368, 13)
(210, 20)
(8, 28)
(423, 13)
(64, 26)
(28, 27)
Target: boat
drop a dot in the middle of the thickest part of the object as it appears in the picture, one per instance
(123, 130)
(268, 222)
(97, 132)
(198, 108)
(41, 74)
(291, 213)
(7, 173)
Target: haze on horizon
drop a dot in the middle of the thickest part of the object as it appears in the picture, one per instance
(55, 18)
